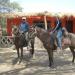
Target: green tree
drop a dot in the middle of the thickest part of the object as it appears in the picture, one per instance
(16, 6)
(13, 5)
(4, 2)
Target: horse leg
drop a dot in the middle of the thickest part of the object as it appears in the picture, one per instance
(32, 48)
(18, 52)
(50, 54)
(21, 52)
(73, 53)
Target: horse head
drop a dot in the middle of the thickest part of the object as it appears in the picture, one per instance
(32, 31)
(15, 31)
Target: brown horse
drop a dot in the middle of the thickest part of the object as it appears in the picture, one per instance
(44, 36)
(20, 41)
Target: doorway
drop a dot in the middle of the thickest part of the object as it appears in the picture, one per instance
(69, 25)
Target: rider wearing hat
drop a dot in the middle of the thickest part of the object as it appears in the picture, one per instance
(24, 26)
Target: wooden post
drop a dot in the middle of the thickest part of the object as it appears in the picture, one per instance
(45, 21)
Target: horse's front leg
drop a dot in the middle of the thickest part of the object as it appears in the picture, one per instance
(18, 52)
(50, 54)
(21, 52)
(32, 48)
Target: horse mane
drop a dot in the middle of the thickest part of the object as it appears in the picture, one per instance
(15, 31)
(44, 32)
(44, 37)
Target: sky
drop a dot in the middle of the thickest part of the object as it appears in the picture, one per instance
(47, 5)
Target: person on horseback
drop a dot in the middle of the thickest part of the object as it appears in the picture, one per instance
(24, 27)
(58, 29)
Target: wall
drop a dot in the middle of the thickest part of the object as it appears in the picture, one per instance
(31, 19)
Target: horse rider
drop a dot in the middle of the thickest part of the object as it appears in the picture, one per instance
(58, 29)
(24, 26)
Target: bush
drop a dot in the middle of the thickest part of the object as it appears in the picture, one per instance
(4, 33)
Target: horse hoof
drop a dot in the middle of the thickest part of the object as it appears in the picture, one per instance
(30, 56)
(51, 66)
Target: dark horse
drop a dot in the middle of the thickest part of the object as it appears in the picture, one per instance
(44, 36)
(21, 41)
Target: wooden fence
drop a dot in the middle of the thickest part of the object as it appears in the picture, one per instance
(6, 41)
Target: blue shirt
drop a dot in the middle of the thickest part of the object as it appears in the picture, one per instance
(24, 27)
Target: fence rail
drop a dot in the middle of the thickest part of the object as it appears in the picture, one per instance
(6, 41)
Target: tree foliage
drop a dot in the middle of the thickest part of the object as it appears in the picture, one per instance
(13, 5)
(16, 6)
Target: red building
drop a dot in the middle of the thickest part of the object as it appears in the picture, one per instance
(68, 22)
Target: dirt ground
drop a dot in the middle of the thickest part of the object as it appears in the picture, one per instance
(38, 65)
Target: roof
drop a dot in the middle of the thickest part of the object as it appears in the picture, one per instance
(20, 14)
